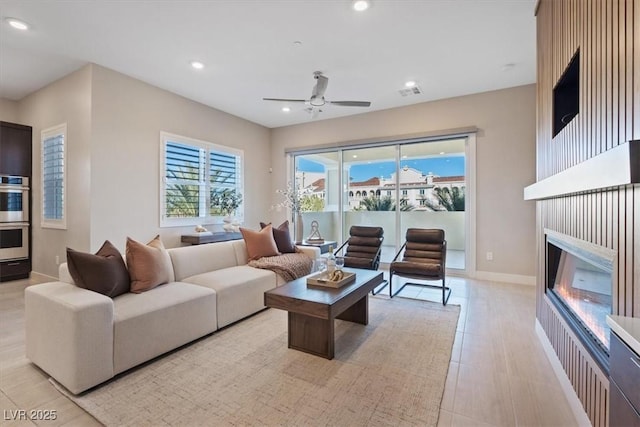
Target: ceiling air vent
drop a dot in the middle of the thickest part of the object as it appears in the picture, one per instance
(410, 91)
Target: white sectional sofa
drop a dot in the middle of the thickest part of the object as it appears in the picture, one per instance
(83, 338)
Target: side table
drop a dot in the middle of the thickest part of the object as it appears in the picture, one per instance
(324, 247)
(199, 239)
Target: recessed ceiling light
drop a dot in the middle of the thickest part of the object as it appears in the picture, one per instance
(410, 83)
(197, 65)
(297, 43)
(442, 152)
(355, 156)
(404, 157)
(286, 109)
(17, 24)
(361, 5)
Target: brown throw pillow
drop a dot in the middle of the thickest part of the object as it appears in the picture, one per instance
(282, 237)
(259, 243)
(149, 265)
(103, 272)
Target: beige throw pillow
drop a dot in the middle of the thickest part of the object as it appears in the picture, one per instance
(259, 243)
(149, 265)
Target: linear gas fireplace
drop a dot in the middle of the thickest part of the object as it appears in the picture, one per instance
(580, 284)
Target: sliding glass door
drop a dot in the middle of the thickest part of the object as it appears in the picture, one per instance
(431, 181)
(367, 197)
(317, 181)
(395, 186)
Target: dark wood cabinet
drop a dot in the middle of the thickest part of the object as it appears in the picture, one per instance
(625, 385)
(15, 149)
(16, 159)
(14, 270)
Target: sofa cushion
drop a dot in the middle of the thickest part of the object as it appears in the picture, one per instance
(239, 290)
(69, 333)
(149, 265)
(259, 243)
(149, 324)
(103, 272)
(197, 259)
(282, 237)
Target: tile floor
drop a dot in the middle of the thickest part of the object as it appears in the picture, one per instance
(498, 375)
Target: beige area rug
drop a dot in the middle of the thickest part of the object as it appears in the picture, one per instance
(391, 372)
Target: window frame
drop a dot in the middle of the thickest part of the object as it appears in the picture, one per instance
(203, 185)
(45, 134)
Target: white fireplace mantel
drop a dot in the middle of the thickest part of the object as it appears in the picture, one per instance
(615, 167)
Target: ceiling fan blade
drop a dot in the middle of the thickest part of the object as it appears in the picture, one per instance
(320, 87)
(284, 99)
(351, 103)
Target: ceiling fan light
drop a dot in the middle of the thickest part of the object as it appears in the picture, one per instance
(197, 65)
(17, 24)
(410, 83)
(361, 5)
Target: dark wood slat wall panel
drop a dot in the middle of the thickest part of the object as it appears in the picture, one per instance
(607, 32)
(586, 379)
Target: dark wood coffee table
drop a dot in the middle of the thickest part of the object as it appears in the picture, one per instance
(312, 309)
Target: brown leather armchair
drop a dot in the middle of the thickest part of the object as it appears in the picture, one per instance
(425, 254)
(363, 248)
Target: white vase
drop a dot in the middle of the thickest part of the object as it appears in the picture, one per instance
(228, 223)
(299, 227)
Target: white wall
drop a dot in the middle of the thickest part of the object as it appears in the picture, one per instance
(127, 118)
(113, 124)
(67, 100)
(505, 161)
(8, 110)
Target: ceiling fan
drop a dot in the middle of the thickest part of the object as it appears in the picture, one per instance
(317, 99)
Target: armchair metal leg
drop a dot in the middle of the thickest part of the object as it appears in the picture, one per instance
(391, 293)
(446, 291)
(384, 285)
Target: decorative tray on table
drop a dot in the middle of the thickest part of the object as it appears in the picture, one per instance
(324, 279)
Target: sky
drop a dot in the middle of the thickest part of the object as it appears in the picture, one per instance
(440, 166)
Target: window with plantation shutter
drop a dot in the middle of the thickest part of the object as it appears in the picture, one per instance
(184, 174)
(54, 177)
(193, 173)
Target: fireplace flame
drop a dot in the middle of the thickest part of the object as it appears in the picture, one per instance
(592, 315)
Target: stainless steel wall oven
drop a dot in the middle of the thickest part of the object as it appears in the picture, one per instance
(14, 198)
(14, 217)
(14, 240)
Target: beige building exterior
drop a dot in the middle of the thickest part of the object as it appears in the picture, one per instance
(416, 188)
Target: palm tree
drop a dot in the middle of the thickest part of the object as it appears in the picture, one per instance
(447, 199)
(183, 200)
(385, 203)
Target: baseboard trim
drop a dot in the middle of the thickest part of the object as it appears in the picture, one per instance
(41, 277)
(506, 278)
(576, 406)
